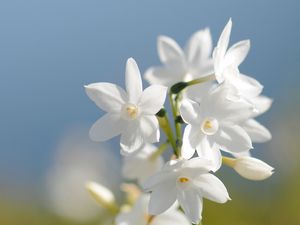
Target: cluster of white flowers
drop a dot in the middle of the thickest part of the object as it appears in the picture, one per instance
(215, 102)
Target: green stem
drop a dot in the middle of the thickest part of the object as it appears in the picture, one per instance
(159, 151)
(202, 80)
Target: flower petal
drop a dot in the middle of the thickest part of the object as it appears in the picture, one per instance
(248, 86)
(187, 150)
(224, 38)
(153, 99)
(149, 128)
(191, 203)
(237, 53)
(206, 151)
(190, 111)
(261, 104)
(233, 138)
(133, 81)
(199, 47)
(257, 132)
(162, 197)
(107, 127)
(131, 138)
(210, 187)
(107, 96)
(169, 50)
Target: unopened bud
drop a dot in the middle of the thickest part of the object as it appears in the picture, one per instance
(102, 196)
(252, 168)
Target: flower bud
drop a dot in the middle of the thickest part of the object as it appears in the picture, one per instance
(252, 168)
(103, 196)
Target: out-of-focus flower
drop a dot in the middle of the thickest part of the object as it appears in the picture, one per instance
(139, 215)
(250, 168)
(102, 195)
(187, 181)
(130, 114)
(214, 125)
(77, 161)
(141, 164)
(182, 65)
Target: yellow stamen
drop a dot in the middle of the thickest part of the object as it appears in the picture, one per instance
(183, 179)
(132, 111)
(208, 124)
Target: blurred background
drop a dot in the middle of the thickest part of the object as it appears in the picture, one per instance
(50, 49)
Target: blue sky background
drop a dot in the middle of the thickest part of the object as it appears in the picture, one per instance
(50, 49)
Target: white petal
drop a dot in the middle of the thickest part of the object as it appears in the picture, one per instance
(107, 127)
(261, 104)
(107, 96)
(237, 53)
(199, 47)
(153, 99)
(133, 81)
(248, 86)
(187, 150)
(163, 197)
(233, 138)
(149, 128)
(224, 38)
(169, 50)
(131, 138)
(190, 111)
(256, 131)
(191, 203)
(163, 75)
(171, 217)
(206, 151)
(210, 187)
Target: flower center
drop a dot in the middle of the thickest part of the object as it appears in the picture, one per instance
(130, 111)
(183, 179)
(210, 126)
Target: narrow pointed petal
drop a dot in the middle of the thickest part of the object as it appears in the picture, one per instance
(150, 128)
(233, 138)
(133, 81)
(190, 111)
(153, 99)
(107, 96)
(237, 53)
(257, 132)
(107, 127)
(261, 104)
(169, 50)
(210, 187)
(199, 47)
(187, 150)
(162, 197)
(224, 38)
(163, 75)
(248, 86)
(131, 138)
(191, 203)
(213, 153)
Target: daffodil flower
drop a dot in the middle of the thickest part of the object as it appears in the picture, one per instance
(187, 181)
(214, 125)
(130, 113)
(179, 64)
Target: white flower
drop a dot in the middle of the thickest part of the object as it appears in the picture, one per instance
(187, 181)
(182, 65)
(214, 125)
(139, 215)
(252, 168)
(141, 165)
(226, 64)
(130, 114)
